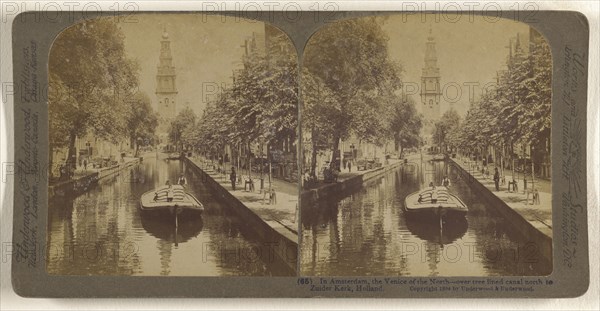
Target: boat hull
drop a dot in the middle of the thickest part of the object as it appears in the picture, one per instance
(183, 204)
(421, 205)
(169, 211)
(436, 212)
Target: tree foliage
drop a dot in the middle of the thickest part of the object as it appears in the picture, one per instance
(141, 121)
(92, 82)
(446, 129)
(518, 110)
(92, 79)
(261, 105)
(181, 129)
(350, 60)
(349, 84)
(405, 124)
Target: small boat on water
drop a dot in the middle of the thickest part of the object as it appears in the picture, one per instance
(439, 157)
(182, 205)
(173, 156)
(435, 203)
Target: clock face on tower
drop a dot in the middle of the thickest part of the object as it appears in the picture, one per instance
(430, 85)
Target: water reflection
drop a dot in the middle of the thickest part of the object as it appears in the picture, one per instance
(102, 232)
(428, 230)
(368, 233)
(167, 231)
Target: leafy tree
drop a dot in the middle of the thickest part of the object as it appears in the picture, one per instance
(184, 120)
(444, 128)
(261, 105)
(536, 119)
(320, 106)
(141, 121)
(350, 57)
(405, 124)
(518, 111)
(90, 79)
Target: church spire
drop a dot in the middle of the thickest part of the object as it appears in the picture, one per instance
(431, 68)
(166, 89)
(430, 81)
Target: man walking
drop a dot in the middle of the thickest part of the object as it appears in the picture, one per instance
(497, 179)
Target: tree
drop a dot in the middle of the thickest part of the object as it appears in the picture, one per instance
(537, 119)
(444, 129)
(183, 121)
(90, 80)
(261, 105)
(141, 121)
(320, 106)
(405, 124)
(518, 111)
(350, 58)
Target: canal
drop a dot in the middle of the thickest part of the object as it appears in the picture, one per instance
(103, 233)
(367, 233)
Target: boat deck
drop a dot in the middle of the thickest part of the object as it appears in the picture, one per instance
(157, 199)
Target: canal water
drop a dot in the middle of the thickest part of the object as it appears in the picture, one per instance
(367, 233)
(102, 232)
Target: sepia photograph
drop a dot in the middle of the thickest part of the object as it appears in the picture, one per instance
(426, 148)
(324, 152)
(173, 148)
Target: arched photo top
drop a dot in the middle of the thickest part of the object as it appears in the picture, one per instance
(152, 98)
(452, 118)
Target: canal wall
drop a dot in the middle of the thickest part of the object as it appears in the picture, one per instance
(282, 245)
(341, 189)
(522, 225)
(83, 183)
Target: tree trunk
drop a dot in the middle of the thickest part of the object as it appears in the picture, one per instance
(249, 162)
(313, 158)
(51, 163)
(71, 154)
(336, 145)
(270, 160)
(532, 168)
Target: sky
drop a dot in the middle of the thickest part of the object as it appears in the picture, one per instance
(469, 51)
(205, 50)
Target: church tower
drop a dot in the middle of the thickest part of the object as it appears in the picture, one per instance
(430, 83)
(166, 91)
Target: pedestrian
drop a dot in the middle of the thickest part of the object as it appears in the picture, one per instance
(434, 195)
(63, 172)
(181, 181)
(446, 182)
(85, 164)
(349, 166)
(497, 179)
(170, 193)
(232, 178)
(306, 179)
